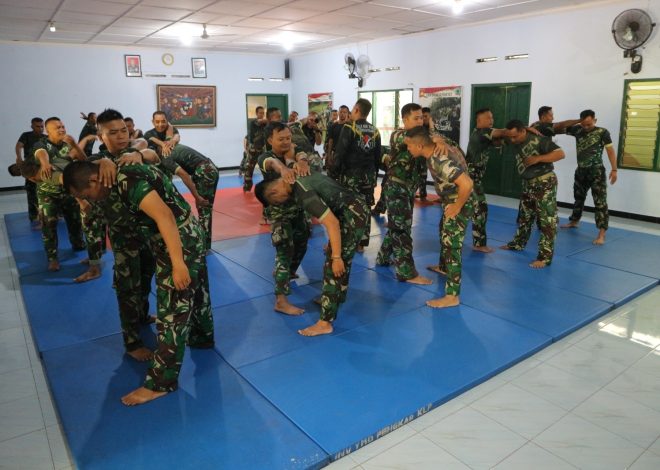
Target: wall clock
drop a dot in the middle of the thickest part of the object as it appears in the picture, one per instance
(167, 58)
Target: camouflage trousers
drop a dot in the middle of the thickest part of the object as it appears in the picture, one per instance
(353, 221)
(479, 206)
(362, 183)
(95, 228)
(315, 162)
(421, 162)
(290, 230)
(184, 316)
(51, 204)
(252, 159)
(32, 200)
(243, 165)
(452, 234)
(206, 181)
(594, 178)
(380, 206)
(132, 273)
(397, 246)
(538, 200)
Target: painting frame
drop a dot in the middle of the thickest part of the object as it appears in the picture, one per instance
(188, 105)
(133, 65)
(198, 65)
(446, 104)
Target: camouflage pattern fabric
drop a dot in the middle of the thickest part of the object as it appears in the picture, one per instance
(364, 184)
(479, 206)
(290, 230)
(421, 162)
(94, 228)
(590, 144)
(52, 203)
(452, 234)
(352, 224)
(206, 178)
(397, 246)
(538, 200)
(253, 157)
(594, 178)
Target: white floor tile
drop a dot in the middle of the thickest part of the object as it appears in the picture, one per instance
(620, 349)
(11, 337)
(416, 453)
(380, 445)
(26, 452)
(17, 384)
(474, 439)
(589, 365)
(436, 415)
(619, 415)
(345, 463)
(519, 369)
(521, 411)
(13, 358)
(531, 456)
(587, 446)
(641, 382)
(10, 319)
(58, 448)
(647, 461)
(20, 417)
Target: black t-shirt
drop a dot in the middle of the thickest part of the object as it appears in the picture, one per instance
(162, 136)
(29, 140)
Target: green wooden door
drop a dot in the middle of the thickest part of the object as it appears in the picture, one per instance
(507, 101)
(281, 102)
(267, 101)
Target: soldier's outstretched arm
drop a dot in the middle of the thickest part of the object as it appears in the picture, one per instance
(331, 224)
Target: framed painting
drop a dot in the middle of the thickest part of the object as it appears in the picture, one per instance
(198, 67)
(188, 105)
(133, 65)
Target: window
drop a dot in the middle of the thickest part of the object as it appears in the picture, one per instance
(386, 110)
(640, 125)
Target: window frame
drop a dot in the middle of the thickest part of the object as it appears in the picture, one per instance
(623, 124)
(397, 104)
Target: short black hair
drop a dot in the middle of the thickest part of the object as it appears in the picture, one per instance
(256, 110)
(543, 110)
(343, 106)
(587, 113)
(155, 113)
(76, 175)
(129, 119)
(426, 109)
(275, 126)
(409, 108)
(36, 119)
(481, 111)
(108, 115)
(29, 168)
(260, 191)
(52, 118)
(270, 111)
(420, 134)
(364, 105)
(516, 124)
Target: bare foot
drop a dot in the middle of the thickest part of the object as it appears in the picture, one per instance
(505, 247)
(94, 272)
(483, 249)
(425, 281)
(571, 224)
(84, 261)
(140, 396)
(53, 265)
(319, 328)
(538, 264)
(600, 240)
(141, 354)
(444, 302)
(282, 305)
(359, 249)
(436, 269)
(264, 221)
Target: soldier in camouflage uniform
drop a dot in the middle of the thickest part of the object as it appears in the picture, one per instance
(357, 156)
(534, 161)
(590, 173)
(399, 192)
(54, 153)
(25, 143)
(480, 147)
(547, 127)
(200, 175)
(144, 201)
(344, 214)
(304, 135)
(256, 144)
(290, 226)
(454, 186)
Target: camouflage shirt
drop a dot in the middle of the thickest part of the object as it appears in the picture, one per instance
(545, 128)
(532, 146)
(185, 157)
(257, 134)
(319, 194)
(445, 169)
(300, 137)
(590, 144)
(402, 165)
(162, 136)
(58, 157)
(480, 147)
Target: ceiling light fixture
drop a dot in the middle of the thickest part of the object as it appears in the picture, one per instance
(516, 56)
(486, 59)
(51, 27)
(457, 8)
(186, 39)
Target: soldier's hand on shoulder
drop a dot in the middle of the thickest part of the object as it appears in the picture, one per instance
(130, 158)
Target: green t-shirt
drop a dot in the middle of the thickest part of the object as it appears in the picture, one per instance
(261, 162)
(534, 145)
(403, 166)
(590, 144)
(480, 147)
(158, 135)
(185, 157)
(318, 194)
(58, 157)
(445, 169)
(545, 128)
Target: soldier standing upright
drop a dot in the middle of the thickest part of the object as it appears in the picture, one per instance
(26, 143)
(256, 144)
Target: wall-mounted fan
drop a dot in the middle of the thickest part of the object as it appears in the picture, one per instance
(363, 69)
(631, 29)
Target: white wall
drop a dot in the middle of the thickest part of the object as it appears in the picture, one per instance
(61, 80)
(574, 64)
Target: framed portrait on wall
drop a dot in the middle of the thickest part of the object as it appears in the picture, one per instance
(188, 105)
(198, 67)
(133, 65)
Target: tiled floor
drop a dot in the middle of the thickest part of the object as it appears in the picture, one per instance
(591, 400)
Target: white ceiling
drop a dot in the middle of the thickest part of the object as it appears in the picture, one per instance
(245, 25)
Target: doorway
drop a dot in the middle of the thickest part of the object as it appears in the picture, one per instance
(507, 101)
(267, 101)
